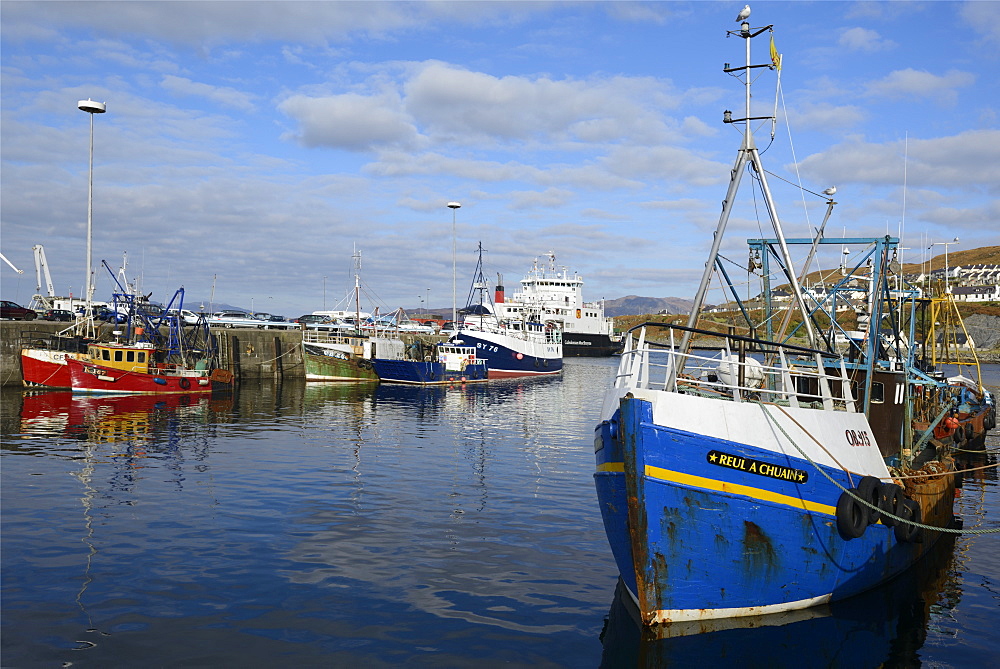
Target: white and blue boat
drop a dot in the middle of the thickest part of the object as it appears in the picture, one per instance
(439, 364)
(776, 472)
(525, 344)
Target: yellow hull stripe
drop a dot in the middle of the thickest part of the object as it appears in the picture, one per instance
(724, 486)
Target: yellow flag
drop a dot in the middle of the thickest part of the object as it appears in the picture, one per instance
(775, 56)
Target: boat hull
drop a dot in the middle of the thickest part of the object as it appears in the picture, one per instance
(589, 345)
(703, 527)
(87, 377)
(427, 373)
(44, 368)
(510, 357)
(325, 364)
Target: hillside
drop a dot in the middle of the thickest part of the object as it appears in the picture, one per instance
(633, 304)
(984, 255)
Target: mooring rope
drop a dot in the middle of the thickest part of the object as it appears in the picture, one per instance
(289, 351)
(863, 501)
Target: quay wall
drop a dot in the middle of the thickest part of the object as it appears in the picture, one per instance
(250, 354)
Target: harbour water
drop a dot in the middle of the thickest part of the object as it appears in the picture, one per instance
(334, 525)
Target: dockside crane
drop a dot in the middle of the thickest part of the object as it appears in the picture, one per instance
(39, 301)
(12, 265)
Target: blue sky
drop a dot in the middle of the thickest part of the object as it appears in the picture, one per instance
(254, 146)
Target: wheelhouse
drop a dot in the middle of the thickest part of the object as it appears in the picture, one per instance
(128, 358)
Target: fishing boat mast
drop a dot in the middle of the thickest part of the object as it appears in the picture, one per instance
(357, 289)
(748, 153)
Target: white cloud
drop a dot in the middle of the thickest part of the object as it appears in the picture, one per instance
(452, 101)
(967, 161)
(223, 95)
(984, 18)
(922, 84)
(862, 39)
(826, 116)
(351, 121)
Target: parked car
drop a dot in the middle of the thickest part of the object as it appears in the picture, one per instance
(16, 312)
(311, 318)
(189, 317)
(449, 329)
(232, 319)
(415, 326)
(57, 315)
(267, 321)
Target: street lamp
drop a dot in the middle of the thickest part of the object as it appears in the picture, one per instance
(454, 264)
(945, 245)
(91, 108)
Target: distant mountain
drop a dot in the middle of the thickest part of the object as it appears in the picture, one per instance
(633, 305)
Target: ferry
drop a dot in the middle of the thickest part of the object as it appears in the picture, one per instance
(556, 296)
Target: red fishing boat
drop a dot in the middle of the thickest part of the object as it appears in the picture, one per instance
(44, 365)
(138, 368)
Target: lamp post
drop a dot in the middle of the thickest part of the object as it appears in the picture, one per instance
(91, 108)
(454, 264)
(945, 245)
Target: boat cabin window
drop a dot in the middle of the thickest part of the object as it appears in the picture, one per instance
(118, 356)
(105, 354)
(878, 392)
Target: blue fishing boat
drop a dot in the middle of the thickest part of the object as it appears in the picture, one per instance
(764, 468)
(438, 364)
(523, 344)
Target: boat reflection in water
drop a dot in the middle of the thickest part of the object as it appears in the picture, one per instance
(885, 626)
(110, 418)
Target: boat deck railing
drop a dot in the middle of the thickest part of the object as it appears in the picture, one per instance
(742, 369)
(332, 337)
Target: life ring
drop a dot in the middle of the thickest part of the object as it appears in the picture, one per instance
(890, 502)
(184, 383)
(905, 531)
(851, 517)
(870, 490)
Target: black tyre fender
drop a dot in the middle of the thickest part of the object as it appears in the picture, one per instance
(905, 531)
(851, 517)
(869, 489)
(890, 501)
